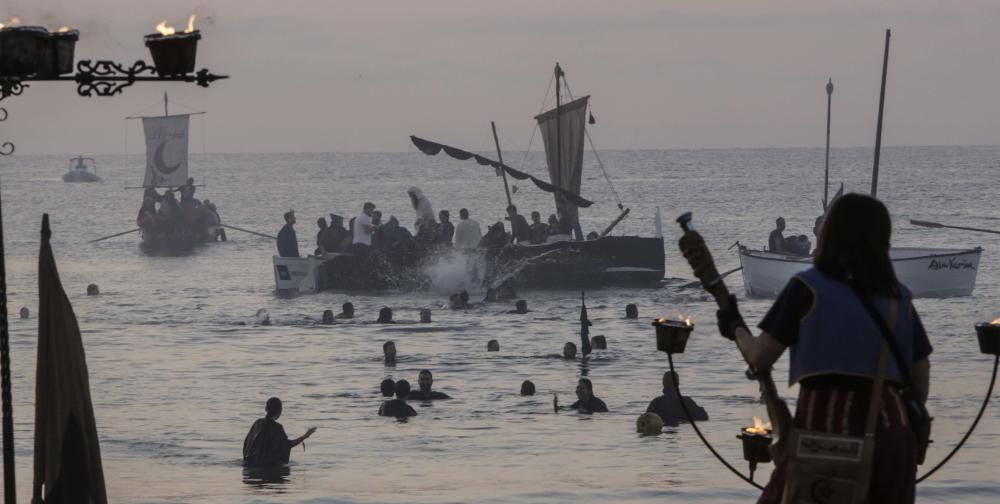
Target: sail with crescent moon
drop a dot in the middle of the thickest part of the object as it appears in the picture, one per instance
(562, 131)
(166, 150)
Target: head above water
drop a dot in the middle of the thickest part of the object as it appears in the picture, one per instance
(463, 213)
(92, 290)
(569, 350)
(527, 388)
(599, 342)
(521, 306)
(385, 315)
(425, 316)
(327, 316)
(670, 381)
(424, 380)
(24, 312)
(290, 217)
(631, 311)
(584, 389)
(388, 387)
(463, 297)
(854, 245)
(347, 310)
(273, 408)
(492, 346)
(389, 351)
(402, 389)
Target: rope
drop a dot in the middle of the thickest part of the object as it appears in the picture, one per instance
(975, 422)
(534, 129)
(593, 148)
(677, 388)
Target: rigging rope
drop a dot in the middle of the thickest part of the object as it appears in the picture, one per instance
(534, 128)
(593, 149)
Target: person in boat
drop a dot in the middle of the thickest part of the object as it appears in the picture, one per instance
(539, 230)
(445, 229)
(520, 307)
(776, 241)
(817, 228)
(491, 345)
(395, 238)
(527, 388)
(170, 212)
(553, 224)
(147, 213)
(389, 352)
(397, 408)
(467, 232)
(563, 231)
(592, 235)
(424, 381)
(385, 316)
(346, 311)
(288, 243)
(519, 226)
(321, 236)
(152, 193)
(569, 351)
(668, 406)
(835, 343)
(387, 387)
(586, 401)
(363, 229)
(631, 311)
(495, 237)
(340, 238)
(267, 445)
(424, 223)
(798, 245)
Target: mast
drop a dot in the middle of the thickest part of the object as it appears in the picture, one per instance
(503, 172)
(881, 106)
(165, 112)
(826, 176)
(559, 74)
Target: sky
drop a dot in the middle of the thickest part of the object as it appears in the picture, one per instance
(349, 76)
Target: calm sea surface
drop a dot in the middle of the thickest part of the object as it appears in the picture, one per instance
(179, 369)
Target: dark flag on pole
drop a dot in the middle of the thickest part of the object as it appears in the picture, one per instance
(67, 452)
(584, 328)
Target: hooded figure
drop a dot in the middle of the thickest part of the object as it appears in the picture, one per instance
(424, 211)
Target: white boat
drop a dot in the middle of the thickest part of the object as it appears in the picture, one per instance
(81, 171)
(927, 272)
(294, 275)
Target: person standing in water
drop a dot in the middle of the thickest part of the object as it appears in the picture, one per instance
(267, 445)
(668, 406)
(288, 243)
(397, 407)
(586, 401)
(425, 380)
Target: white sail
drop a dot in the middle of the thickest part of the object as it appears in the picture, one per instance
(166, 150)
(563, 139)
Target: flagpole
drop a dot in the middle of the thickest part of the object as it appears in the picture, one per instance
(826, 172)
(9, 490)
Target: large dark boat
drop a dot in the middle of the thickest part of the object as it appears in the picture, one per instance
(564, 261)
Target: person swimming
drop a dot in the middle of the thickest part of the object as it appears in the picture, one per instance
(668, 406)
(267, 445)
(327, 317)
(387, 387)
(491, 296)
(397, 407)
(631, 311)
(492, 346)
(425, 315)
(569, 351)
(24, 313)
(586, 401)
(527, 388)
(346, 311)
(424, 381)
(93, 290)
(599, 342)
(389, 352)
(385, 316)
(520, 307)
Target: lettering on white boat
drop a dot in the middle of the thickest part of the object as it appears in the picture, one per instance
(951, 263)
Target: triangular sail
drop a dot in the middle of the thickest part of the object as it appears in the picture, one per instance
(563, 135)
(67, 451)
(166, 150)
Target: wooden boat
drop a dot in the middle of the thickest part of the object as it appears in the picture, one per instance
(79, 171)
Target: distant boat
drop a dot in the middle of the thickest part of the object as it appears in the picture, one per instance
(927, 272)
(81, 169)
(175, 226)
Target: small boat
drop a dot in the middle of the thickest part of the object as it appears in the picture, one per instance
(927, 272)
(81, 169)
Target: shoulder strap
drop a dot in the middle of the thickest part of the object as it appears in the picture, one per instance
(875, 402)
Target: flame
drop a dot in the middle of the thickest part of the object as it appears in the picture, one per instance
(759, 427)
(64, 29)
(14, 21)
(680, 318)
(995, 322)
(190, 27)
(164, 29)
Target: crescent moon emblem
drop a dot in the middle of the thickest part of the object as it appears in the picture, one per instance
(159, 163)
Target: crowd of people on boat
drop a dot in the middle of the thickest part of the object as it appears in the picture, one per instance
(369, 232)
(795, 245)
(164, 215)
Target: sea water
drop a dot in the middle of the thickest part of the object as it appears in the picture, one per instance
(180, 368)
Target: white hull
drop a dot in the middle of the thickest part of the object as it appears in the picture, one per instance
(927, 272)
(292, 274)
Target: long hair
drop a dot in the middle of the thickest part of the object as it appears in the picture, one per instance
(854, 246)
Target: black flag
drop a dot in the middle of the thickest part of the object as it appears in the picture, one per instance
(584, 328)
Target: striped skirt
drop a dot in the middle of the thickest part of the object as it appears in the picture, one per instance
(894, 469)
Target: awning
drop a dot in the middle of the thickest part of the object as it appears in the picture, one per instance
(433, 148)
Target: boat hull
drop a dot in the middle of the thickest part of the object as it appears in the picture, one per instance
(80, 176)
(628, 261)
(927, 272)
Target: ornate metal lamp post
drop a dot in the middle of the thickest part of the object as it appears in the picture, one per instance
(33, 54)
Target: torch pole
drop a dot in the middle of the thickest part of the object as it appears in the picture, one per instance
(826, 172)
(503, 172)
(9, 491)
(881, 106)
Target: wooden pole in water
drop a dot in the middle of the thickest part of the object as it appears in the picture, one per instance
(881, 106)
(500, 158)
(826, 172)
(9, 491)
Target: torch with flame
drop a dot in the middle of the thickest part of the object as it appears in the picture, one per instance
(995, 322)
(760, 427)
(165, 29)
(14, 21)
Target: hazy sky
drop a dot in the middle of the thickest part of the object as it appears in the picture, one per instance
(311, 75)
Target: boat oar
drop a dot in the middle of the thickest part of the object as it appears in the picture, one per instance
(698, 282)
(114, 235)
(248, 231)
(937, 225)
